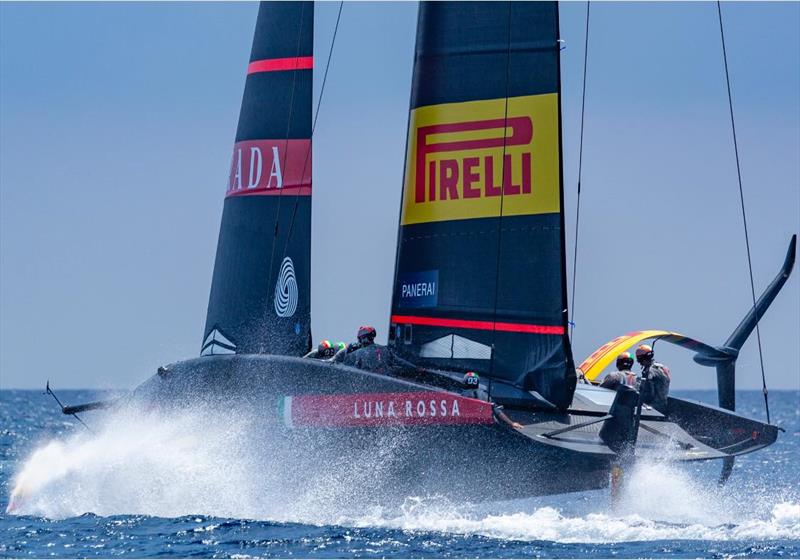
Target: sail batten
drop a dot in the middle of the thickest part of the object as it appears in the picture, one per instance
(480, 249)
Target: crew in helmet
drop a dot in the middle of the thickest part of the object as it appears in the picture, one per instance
(365, 354)
(623, 375)
(365, 338)
(472, 389)
(655, 379)
(324, 351)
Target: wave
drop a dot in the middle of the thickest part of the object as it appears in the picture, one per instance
(549, 524)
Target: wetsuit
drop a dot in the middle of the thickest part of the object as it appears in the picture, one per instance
(615, 379)
(656, 390)
(352, 347)
(479, 394)
(317, 355)
(374, 357)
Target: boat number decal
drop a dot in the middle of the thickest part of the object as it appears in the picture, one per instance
(286, 290)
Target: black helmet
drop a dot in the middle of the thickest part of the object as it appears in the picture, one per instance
(366, 334)
(644, 354)
(624, 361)
(471, 380)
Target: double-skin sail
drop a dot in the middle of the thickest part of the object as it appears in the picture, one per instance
(480, 273)
(260, 293)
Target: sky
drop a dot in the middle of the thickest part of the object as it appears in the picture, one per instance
(116, 128)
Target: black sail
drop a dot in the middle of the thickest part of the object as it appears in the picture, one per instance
(260, 292)
(480, 272)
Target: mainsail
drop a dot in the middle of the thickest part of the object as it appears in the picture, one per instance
(260, 292)
(480, 272)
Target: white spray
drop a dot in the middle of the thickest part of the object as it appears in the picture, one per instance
(200, 463)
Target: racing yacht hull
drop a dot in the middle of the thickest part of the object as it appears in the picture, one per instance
(416, 454)
(417, 440)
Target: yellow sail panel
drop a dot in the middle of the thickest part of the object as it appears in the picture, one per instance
(478, 159)
(608, 352)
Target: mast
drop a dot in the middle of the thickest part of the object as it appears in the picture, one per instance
(480, 280)
(260, 291)
(565, 315)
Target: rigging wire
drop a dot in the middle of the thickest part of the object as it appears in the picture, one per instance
(314, 125)
(744, 213)
(502, 193)
(580, 171)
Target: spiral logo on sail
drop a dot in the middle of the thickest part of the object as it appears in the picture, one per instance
(286, 290)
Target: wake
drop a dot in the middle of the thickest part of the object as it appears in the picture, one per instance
(550, 524)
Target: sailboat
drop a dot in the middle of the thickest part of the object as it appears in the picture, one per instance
(479, 284)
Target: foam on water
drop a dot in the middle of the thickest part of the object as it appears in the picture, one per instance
(188, 464)
(660, 501)
(138, 464)
(548, 523)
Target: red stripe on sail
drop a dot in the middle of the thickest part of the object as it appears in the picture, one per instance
(287, 191)
(270, 167)
(281, 64)
(478, 325)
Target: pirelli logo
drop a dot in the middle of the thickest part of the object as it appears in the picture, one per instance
(465, 158)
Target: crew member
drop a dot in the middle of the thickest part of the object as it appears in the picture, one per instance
(623, 375)
(365, 354)
(323, 351)
(472, 389)
(365, 337)
(655, 379)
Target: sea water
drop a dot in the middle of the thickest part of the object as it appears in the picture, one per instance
(141, 485)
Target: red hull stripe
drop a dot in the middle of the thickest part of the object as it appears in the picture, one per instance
(384, 409)
(479, 325)
(281, 64)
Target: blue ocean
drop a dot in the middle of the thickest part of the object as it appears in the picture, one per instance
(140, 487)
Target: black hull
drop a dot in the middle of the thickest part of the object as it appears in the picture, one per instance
(552, 453)
(463, 462)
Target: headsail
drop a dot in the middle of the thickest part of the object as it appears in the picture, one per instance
(480, 272)
(260, 292)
